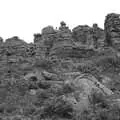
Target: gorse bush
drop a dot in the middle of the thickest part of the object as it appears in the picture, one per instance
(43, 64)
(108, 63)
(89, 68)
(58, 107)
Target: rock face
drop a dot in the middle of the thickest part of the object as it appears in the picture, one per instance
(83, 34)
(65, 43)
(112, 30)
(62, 41)
(84, 86)
(62, 73)
(48, 30)
(88, 36)
(37, 38)
(98, 36)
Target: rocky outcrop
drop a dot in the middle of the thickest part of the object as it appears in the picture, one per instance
(63, 41)
(112, 30)
(50, 76)
(98, 36)
(15, 46)
(88, 37)
(66, 43)
(62, 73)
(43, 42)
(83, 34)
(37, 38)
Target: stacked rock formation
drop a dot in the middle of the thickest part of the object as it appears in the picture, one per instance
(62, 42)
(98, 36)
(65, 43)
(112, 30)
(83, 35)
(37, 37)
(88, 36)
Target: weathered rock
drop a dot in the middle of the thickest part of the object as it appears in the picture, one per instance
(63, 36)
(36, 76)
(30, 50)
(40, 50)
(50, 76)
(84, 86)
(83, 35)
(48, 30)
(45, 73)
(98, 36)
(65, 46)
(14, 41)
(1, 40)
(37, 38)
(107, 81)
(14, 47)
(63, 41)
(112, 30)
(88, 37)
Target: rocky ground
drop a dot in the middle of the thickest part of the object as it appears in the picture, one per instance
(63, 75)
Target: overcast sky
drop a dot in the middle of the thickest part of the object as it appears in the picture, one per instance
(23, 18)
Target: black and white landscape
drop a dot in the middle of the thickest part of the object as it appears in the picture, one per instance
(65, 74)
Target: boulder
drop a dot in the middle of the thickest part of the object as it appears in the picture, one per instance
(49, 76)
(84, 86)
(48, 30)
(37, 76)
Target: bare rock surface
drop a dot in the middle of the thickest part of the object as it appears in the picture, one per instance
(112, 29)
(84, 86)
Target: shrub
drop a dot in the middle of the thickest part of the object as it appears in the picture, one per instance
(58, 107)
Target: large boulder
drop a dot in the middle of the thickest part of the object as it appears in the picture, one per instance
(50, 76)
(84, 86)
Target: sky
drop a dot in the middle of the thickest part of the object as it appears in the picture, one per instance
(23, 18)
